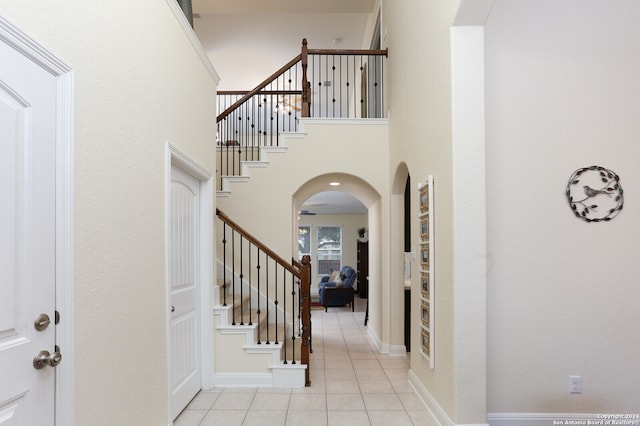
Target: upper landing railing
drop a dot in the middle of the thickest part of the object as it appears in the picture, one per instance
(324, 83)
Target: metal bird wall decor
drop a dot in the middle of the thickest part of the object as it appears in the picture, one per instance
(595, 194)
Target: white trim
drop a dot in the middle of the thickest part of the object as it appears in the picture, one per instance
(432, 405)
(12, 36)
(244, 380)
(341, 121)
(31, 49)
(376, 340)
(397, 350)
(176, 157)
(191, 36)
(64, 249)
(537, 419)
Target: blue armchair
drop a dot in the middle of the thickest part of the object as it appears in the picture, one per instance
(338, 294)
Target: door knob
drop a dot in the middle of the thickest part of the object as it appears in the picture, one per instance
(173, 309)
(44, 358)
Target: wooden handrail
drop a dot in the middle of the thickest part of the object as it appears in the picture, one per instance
(262, 92)
(259, 87)
(286, 265)
(384, 52)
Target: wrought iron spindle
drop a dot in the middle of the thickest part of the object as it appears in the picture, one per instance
(250, 287)
(224, 264)
(293, 316)
(275, 302)
(259, 306)
(241, 238)
(284, 313)
(266, 265)
(233, 276)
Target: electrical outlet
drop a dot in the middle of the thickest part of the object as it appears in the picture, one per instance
(575, 384)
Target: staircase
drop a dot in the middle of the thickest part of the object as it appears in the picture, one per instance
(261, 315)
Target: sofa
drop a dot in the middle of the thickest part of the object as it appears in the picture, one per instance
(338, 293)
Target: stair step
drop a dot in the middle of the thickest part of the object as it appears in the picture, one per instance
(266, 331)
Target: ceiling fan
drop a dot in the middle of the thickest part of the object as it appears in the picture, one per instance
(288, 103)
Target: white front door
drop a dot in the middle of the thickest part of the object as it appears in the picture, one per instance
(184, 289)
(27, 238)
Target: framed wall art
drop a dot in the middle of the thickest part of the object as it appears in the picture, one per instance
(426, 258)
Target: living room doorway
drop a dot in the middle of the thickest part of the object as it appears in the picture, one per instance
(332, 230)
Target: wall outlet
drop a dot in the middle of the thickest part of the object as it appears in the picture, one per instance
(575, 384)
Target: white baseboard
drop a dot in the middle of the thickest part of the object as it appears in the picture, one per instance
(243, 380)
(397, 350)
(375, 339)
(432, 405)
(539, 419)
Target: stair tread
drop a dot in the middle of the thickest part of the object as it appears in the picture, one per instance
(266, 330)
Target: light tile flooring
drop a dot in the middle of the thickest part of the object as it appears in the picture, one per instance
(351, 384)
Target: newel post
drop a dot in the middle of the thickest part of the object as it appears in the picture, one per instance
(305, 291)
(306, 85)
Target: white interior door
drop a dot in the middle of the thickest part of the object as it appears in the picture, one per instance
(184, 291)
(27, 238)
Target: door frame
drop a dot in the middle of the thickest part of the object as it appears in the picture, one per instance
(177, 158)
(64, 76)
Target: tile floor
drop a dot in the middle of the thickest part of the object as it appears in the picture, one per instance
(351, 384)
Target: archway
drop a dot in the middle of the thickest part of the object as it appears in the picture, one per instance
(400, 244)
(367, 195)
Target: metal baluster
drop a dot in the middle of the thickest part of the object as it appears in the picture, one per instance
(233, 275)
(293, 316)
(224, 264)
(284, 313)
(259, 311)
(275, 302)
(266, 262)
(250, 288)
(241, 282)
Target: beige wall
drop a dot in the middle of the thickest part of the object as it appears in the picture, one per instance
(136, 88)
(417, 34)
(354, 151)
(562, 93)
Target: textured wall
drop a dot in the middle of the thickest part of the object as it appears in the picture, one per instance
(562, 92)
(138, 84)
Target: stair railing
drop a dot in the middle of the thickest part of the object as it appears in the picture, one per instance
(319, 83)
(276, 287)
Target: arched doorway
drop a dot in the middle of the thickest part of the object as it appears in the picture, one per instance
(371, 199)
(401, 249)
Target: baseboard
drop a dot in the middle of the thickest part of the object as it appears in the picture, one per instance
(375, 339)
(541, 419)
(243, 379)
(432, 405)
(397, 350)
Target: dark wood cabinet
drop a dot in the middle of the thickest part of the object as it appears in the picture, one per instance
(363, 269)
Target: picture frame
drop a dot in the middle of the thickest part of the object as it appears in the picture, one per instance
(426, 261)
(424, 281)
(424, 229)
(424, 199)
(425, 314)
(426, 348)
(424, 257)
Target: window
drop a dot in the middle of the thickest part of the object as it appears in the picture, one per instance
(304, 241)
(329, 249)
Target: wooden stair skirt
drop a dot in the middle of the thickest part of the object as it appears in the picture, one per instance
(239, 360)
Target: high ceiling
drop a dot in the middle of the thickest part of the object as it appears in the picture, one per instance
(282, 6)
(247, 40)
